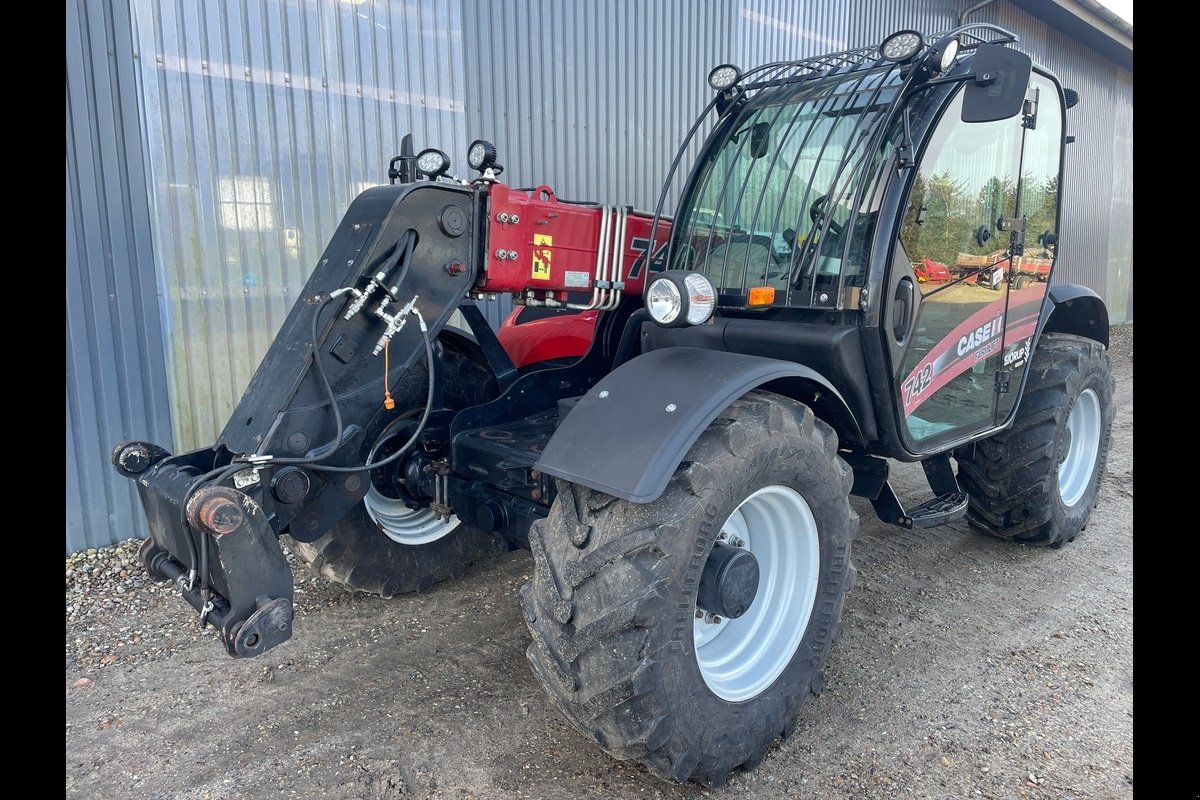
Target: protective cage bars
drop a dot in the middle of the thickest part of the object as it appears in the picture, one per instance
(876, 78)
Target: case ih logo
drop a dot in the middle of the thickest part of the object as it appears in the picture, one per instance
(978, 337)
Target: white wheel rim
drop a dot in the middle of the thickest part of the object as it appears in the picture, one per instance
(740, 658)
(1083, 427)
(398, 522)
(404, 525)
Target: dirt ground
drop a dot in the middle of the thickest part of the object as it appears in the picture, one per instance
(969, 668)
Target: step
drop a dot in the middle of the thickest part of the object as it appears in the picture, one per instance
(940, 510)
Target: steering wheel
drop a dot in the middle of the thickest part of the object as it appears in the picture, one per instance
(816, 212)
(756, 251)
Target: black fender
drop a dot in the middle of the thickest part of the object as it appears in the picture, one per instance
(629, 433)
(1075, 309)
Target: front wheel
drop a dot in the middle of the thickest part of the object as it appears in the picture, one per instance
(622, 640)
(382, 546)
(1038, 481)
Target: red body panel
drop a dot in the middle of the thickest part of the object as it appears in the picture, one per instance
(551, 254)
(560, 336)
(556, 245)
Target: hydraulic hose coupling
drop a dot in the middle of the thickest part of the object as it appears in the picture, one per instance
(395, 323)
(360, 300)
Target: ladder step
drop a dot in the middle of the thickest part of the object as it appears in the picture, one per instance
(940, 510)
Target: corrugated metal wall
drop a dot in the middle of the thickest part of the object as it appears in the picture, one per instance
(263, 120)
(591, 98)
(1120, 220)
(256, 121)
(116, 381)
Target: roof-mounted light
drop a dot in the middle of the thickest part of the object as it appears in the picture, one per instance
(724, 76)
(944, 54)
(481, 154)
(433, 162)
(901, 46)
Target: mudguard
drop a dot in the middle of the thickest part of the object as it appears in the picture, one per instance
(1075, 309)
(627, 435)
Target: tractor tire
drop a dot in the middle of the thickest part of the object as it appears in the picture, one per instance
(382, 547)
(1038, 481)
(1021, 282)
(612, 607)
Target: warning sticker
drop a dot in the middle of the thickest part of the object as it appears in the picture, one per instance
(541, 256)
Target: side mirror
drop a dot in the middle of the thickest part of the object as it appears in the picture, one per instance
(997, 89)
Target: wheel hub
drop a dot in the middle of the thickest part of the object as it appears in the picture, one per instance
(404, 525)
(729, 581)
(740, 658)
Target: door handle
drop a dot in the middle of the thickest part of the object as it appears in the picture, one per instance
(902, 309)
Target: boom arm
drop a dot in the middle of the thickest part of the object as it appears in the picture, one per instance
(291, 457)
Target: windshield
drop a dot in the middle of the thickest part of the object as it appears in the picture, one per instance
(775, 202)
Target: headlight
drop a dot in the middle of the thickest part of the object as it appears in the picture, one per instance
(664, 302)
(678, 297)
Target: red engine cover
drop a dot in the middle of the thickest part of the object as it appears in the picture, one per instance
(553, 247)
(564, 335)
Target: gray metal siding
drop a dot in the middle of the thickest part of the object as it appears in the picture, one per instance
(116, 383)
(591, 98)
(1120, 227)
(264, 120)
(779, 30)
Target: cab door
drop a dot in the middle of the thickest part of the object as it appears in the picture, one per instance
(956, 235)
(1034, 247)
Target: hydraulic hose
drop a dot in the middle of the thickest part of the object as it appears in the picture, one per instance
(416, 435)
(325, 451)
(330, 448)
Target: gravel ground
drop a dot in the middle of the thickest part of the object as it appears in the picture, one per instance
(969, 668)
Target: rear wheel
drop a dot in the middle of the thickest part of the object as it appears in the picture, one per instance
(620, 641)
(384, 547)
(1038, 481)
